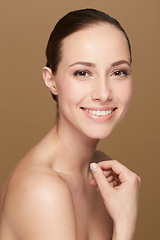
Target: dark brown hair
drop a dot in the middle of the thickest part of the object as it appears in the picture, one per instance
(73, 22)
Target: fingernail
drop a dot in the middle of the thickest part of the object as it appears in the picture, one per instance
(93, 167)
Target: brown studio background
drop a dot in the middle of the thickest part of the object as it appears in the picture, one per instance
(28, 112)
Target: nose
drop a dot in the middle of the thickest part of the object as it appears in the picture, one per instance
(102, 91)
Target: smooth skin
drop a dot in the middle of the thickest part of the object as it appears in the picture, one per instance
(54, 192)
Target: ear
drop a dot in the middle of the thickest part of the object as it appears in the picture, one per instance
(49, 80)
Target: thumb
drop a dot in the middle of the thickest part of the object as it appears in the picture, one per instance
(102, 183)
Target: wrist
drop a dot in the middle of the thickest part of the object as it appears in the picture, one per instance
(123, 231)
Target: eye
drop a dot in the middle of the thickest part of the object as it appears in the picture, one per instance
(81, 73)
(120, 73)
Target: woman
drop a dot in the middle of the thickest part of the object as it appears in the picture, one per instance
(51, 193)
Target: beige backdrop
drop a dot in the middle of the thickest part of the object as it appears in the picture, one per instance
(28, 112)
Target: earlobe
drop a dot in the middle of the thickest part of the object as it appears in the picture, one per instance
(49, 80)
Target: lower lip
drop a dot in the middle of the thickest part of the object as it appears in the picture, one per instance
(99, 119)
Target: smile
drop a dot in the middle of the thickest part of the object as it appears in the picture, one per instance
(98, 112)
(99, 116)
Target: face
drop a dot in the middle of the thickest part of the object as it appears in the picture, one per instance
(93, 80)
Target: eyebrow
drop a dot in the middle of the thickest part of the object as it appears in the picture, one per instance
(120, 62)
(88, 64)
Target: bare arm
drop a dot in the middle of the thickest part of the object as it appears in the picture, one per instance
(119, 188)
(44, 210)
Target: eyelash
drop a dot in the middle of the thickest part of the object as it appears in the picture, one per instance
(80, 73)
(123, 73)
(83, 73)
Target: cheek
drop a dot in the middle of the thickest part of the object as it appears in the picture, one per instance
(71, 92)
(125, 92)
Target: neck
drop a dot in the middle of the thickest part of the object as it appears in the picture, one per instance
(74, 150)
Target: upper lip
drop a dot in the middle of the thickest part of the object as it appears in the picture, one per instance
(99, 108)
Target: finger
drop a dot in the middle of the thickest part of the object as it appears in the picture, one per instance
(93, 182)
(115, 183)
(103, 185)
(119, 169)
(108, 173)
(111, 178)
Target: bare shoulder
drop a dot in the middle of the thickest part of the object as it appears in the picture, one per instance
(101, 156)
(40, 206)
(39, 184)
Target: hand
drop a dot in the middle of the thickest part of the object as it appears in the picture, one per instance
(119, 188)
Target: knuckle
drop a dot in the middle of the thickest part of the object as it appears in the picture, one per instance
(135, 179)
(115, 161)
(139, 180)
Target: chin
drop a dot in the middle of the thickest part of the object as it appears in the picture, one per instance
(98, 135)
(103, 132)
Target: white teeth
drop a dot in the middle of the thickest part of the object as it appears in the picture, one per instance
(103, 113)
(98, 112)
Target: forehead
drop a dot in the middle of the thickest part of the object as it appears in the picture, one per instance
(96, 43)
